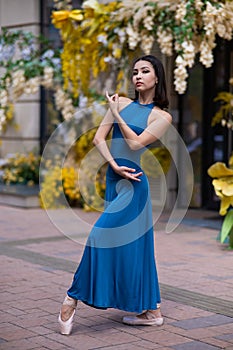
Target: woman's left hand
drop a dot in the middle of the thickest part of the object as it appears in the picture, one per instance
(113, 103)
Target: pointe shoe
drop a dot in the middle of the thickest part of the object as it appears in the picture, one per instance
(66, 326)
(149, 320)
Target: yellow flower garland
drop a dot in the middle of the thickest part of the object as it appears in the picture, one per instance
(100, 34)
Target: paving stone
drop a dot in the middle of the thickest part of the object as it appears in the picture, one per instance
(47, 343)
(194, 345)
(217, 342)
(202, 322)
(22, 344)
(226, 337)
(164, 338)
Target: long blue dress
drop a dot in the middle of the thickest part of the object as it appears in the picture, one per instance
(118, 269)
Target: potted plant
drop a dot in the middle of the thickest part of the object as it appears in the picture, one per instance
(223, 186)
(19, 180)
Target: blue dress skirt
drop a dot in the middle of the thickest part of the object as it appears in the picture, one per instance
(118, 269)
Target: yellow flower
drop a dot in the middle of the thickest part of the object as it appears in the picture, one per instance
(77, 15)
(117, 53)
(156, 161)
(58, 16)
(223, 185)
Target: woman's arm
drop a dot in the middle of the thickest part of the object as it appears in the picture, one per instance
(100, 142)
(100, 138)
(160, 121)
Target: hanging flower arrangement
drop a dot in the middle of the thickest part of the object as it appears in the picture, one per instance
(100, 37)
(28, 62)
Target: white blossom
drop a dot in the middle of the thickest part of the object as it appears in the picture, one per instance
(223, 122)
(62, 4)
(189, 53)
(181, 12)
(148, 22)
(32, 85)
(18, 83)
(47, 80)
(229, 124)
(140, 14)
(165, 40)
(83, 100)
(3, 98)
(121, 34)
(180, 75)
(56, 62)
(102, 39)
(48, 54)
(2, 114)
(6, 52)
(221, 30)
(64, 104)
(206, 54)
(146, 43)
(26, 53)
(198, 5)
(2, 119)
(110, 60)
(133, 36)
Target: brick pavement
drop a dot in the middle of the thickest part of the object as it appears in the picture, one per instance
(37, 265)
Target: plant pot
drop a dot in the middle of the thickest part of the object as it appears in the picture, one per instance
(22, 196)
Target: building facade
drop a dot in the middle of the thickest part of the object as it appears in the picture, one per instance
(192, 112)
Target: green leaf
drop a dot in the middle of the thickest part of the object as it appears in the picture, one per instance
(226, 226)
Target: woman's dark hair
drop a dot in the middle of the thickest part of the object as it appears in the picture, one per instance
(160, 98)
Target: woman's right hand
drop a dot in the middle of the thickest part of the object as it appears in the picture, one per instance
(128, 173)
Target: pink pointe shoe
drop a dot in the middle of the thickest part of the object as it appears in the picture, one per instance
(149, 320)
(66, 326)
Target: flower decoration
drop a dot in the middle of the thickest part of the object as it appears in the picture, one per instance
(156, 161)
(25, 68)
(225, 112)
(223, 185)
(108, 35)
(57, 182)
(21, 169)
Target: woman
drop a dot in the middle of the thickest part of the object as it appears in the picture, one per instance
(118, 267)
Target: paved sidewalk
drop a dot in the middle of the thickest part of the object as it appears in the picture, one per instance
(37, 266)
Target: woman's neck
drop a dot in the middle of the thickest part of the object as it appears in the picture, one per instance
(145, 99)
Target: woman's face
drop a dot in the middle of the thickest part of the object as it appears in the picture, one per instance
(144, 77)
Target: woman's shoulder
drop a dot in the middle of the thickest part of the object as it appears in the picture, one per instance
(158, 113)
(124, 101)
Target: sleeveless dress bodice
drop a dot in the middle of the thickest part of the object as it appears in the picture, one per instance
(136, 117)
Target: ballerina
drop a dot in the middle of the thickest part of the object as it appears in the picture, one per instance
(118, 267)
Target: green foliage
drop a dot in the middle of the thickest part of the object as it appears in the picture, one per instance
(224, 113)
(21, 169)
(227, 229)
